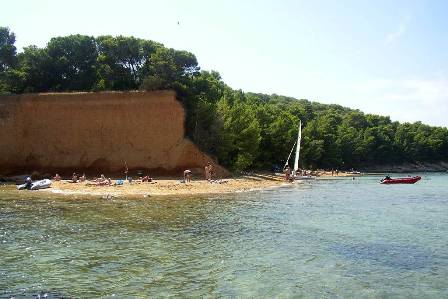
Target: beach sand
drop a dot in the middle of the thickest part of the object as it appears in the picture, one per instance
(169, 186)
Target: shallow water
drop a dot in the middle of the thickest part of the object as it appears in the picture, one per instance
(324, 239)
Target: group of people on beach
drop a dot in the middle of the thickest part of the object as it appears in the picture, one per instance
(290, 174)
(335, 171)
(75, 178)
(103, 181)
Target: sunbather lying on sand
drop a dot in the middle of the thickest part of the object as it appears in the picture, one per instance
(218, 181)
(146, 178)
(99, 182)
(101, 179)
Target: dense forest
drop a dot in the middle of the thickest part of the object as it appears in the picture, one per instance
(242, 130)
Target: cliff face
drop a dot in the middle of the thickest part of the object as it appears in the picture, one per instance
(96, 132)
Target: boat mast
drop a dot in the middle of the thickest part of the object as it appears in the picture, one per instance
(299, 137)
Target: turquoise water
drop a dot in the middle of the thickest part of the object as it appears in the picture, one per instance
(325, 239)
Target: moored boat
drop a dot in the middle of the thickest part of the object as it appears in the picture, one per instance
(41, 184)
(407, 180)
(296, 173)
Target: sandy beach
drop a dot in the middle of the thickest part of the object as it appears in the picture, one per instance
(169, 186)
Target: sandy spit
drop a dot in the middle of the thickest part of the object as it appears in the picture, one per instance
(169, 186)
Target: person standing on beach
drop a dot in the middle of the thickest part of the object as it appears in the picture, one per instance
(208, 170)
(287, 173)
(187, 176)
(211, 171)
(74, 178)
(126, 170)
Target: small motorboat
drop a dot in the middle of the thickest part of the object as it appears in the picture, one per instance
(407, 180)
(42, 184)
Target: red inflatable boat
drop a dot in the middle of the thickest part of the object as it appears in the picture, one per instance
(408, 180)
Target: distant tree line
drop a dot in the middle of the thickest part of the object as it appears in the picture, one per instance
(242, 130)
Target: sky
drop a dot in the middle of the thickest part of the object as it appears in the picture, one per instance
(382, 57)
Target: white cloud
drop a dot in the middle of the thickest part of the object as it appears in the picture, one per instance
(401, 30)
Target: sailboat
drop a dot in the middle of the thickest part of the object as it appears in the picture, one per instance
(295, 174)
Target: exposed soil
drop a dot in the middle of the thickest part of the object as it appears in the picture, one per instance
(95, 133)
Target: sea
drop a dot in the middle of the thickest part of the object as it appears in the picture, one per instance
(327, 238)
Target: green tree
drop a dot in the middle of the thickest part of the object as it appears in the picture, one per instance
(73, 61)
(312, 149)
(122, 61)
(8, 51)
(242, 134)
(34, 72)
(278, 132)
(173, 70)
(8, 59)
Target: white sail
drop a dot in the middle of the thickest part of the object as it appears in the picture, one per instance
(299, 137)
(289, 156)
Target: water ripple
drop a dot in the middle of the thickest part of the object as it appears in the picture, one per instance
(397, 256)
(330, 239)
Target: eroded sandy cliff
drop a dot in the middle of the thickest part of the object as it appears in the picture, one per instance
(96, 132)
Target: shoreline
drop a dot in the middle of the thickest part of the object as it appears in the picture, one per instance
(168, 187)
(440, 166)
